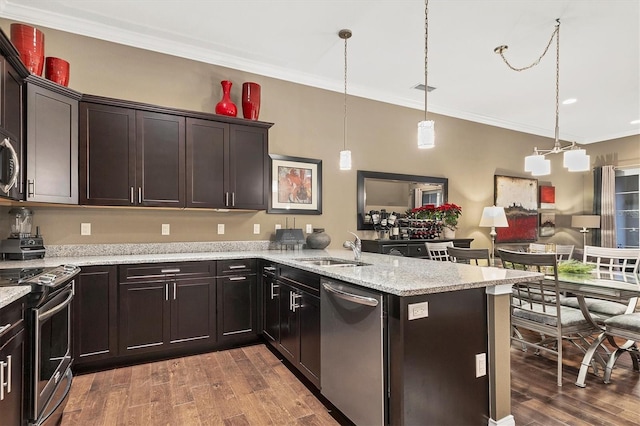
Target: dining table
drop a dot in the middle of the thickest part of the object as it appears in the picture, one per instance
(612, 286)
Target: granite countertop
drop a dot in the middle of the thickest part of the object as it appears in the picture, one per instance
(11, 294)
(401, 276)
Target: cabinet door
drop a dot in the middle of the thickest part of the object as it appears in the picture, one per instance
(12, 362)
(288, 323)
(144, 317)
(309, 318)
(160, 146)
(52, 146)
(236, 307)
(206, 165)
(271, 306)
(107, 155)
(95, 322)
(248, 167)
(11, 117)
(193, 310)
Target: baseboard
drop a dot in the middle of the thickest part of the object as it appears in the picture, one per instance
(505, 421)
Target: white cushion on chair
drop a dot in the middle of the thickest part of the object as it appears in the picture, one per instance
(570, 316)
(599, 306)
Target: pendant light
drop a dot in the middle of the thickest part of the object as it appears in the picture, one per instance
(426, 128)
(345, 154)
(574, 159)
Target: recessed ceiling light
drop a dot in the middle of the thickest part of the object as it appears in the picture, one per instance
(635, 122)
(569, 101)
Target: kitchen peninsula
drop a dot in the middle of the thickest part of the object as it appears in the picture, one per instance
(431, 367)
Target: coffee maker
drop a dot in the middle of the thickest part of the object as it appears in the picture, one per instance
(21, 245)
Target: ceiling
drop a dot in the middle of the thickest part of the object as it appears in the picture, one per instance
(297, 40)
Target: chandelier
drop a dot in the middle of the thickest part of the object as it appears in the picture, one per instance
(575, 159)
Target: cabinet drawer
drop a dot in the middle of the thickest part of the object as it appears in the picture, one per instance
(302, 280)
(154, 271)
(241, 266)
(11, 316)
(417, 250)
(402, 248)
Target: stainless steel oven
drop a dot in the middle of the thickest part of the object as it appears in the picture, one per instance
(9, 167)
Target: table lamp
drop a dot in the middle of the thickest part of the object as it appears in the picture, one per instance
(493, 217)
(586, 222)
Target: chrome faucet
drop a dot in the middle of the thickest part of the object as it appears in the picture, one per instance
(356, 246)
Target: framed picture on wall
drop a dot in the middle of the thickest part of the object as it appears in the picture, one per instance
(296, 185)
(519, 197)
(547, 197)
(547, 224)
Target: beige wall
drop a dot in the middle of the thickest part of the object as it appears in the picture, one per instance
(308, 123)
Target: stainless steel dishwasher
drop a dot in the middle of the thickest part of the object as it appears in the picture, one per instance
(351, 351)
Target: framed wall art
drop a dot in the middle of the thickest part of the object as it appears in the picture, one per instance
(547, 224)
(547, 197)
(519, 197)
(296, 185)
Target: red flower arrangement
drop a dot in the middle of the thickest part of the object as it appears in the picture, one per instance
(447, 213)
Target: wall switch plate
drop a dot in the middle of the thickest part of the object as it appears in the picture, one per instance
(278, 226)
(309, 229)
(256, 228)
(418, 310)
(481, 365)
(166, 229)
(220, 228)
(85, 229)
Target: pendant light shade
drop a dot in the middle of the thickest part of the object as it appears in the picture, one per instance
(576, 160)
(345, 160)
(537, 165)
(426, 134)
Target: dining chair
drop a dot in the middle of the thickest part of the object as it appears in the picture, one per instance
(469, 256)
(625, 327)
(537, 248)
(564, 251)
(535, 306)
(438, 251)
(612, 259)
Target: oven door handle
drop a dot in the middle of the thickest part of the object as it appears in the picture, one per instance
(16, 167)
(46, 314)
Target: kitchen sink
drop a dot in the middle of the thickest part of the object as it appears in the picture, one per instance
(332, 262)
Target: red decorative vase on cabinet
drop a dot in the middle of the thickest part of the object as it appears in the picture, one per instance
(29, 42)
(225, 106)
(57, 70)
(250, 100)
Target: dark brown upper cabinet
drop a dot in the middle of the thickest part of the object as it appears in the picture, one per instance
(134, 154)
(52, 142)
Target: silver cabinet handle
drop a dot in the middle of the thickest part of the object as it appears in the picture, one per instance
(360, 300)
(273, 287)
(294, 301)
(269, 268)
(226, 199)
(170, 271)
(233, 199)
(238, 267)
(8, 373)
(16, 167)
(2, 366)
(166, 292)
(174, 290)
(5, 327)
(131, 196)
(139, 195)
(31, 188)
(237, 278)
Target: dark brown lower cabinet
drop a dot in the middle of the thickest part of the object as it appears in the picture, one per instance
(236, 307)
(156, 315)
(12, 353)
(95, 314)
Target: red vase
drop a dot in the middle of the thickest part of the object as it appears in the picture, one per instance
(29, 42)
(250, 100)
(225, 106)
(57, 70)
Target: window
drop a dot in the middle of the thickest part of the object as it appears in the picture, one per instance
(627, 212)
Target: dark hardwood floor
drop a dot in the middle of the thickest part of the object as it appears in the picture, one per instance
(250, 386)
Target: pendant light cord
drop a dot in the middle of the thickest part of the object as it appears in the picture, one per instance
(426, 55)
(344, 132)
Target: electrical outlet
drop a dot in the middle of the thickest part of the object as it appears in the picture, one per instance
(220, 228)
(309, 228)
(278, 226)
(481, 365)
(85, 229)
(166, 229)
(418, 310)
(256, 228)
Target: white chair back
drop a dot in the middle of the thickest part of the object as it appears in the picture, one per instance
(438, 251)
(537, 248)
(612, 259)
(564, 251)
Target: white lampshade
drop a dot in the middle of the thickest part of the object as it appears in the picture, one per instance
(576, 160)
(537, 165)
(585, 221)
(345, 160)
(494, 216)
(426, 134)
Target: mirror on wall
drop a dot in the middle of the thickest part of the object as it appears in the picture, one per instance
(396, 192)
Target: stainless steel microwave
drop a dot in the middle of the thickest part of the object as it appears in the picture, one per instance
(9, 167)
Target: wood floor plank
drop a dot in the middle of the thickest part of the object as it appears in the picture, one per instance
(81, 386)
(115, 406)
(162, 404)
(205, 404)
(140, 393)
